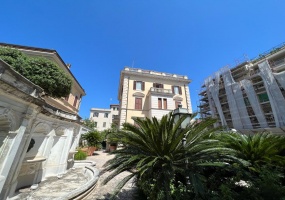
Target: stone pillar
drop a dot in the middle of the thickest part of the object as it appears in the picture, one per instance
(16, 147)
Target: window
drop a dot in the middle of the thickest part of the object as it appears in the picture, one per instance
(159, 103)
(95, 114)
(75, 101)
(176, 90)
(157, 85)
(104, 124)
(95, 124)
(164, 103)
(66, 98)
(246, 101)
(263, 97)
(138, 103)
(177, 103)
(138, 85)
(106, 115)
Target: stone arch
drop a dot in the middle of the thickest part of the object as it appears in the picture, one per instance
(60, 131)
(41, 128)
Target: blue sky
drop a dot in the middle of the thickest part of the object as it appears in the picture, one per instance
(99, 38)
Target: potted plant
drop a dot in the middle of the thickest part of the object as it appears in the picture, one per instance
(113, 146)
(93, 139)
(112, 141)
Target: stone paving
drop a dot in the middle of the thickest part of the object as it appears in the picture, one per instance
(53, 187)
(103, 192)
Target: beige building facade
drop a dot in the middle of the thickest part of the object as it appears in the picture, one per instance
(147, 94)
(70, 104)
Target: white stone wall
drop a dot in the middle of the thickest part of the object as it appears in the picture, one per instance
(158, 113)
(54, 140)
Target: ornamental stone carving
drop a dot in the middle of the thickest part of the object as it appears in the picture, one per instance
(8, 120)
(59, 131)
(41, 128)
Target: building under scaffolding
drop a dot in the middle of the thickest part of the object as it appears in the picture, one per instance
(249, 97)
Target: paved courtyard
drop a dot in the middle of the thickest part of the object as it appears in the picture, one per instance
(103, 192)
(55, 188)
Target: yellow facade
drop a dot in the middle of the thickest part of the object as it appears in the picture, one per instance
(156, 91)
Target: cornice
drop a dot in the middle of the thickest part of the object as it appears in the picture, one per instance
(175, 78)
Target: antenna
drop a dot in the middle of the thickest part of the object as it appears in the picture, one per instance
(133, 63)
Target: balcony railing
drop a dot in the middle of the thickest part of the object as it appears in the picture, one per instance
(154, 73)
(161, 90)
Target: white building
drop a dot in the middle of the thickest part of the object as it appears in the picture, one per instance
(103, 118)
(249, 97)
(38, 136)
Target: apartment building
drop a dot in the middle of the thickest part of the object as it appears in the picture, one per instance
(70, 104)
(103, 118)
(249, 97)
(147, 93)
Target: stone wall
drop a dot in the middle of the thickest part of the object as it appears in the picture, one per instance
(36, 140)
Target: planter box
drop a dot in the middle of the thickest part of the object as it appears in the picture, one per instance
(91, 150)
(113, 148)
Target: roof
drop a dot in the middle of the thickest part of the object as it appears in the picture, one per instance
(43, 50)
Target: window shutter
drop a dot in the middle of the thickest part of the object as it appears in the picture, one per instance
(180, 91)
(134, 87)
(142, 86)
(138, 103)
(161, 86)
(153, 84)
(164, 103)
(75, 101)
(172, 87)
(159, 103)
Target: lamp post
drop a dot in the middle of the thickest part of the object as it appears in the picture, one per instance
(178, 113)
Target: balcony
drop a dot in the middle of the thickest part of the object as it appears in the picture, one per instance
(160, 91)
(278, 65)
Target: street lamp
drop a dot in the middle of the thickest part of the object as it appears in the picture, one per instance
(178, 113)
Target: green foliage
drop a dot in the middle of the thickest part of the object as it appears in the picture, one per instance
(256, 173)
(258, 149)
(93, 138)
(154, 153)
(89, 123)
(41, 71)
(80, 155)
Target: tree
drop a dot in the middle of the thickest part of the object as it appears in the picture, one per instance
(41, 71)
(89, 123)
(155, 155)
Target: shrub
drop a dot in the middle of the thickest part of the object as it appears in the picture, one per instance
(80, 155)
(93, 138)
(41, 71)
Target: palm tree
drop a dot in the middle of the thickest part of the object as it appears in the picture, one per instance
(258, 149)
(155, 155)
